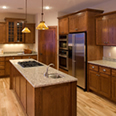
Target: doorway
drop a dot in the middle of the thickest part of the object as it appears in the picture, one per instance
(47, 46)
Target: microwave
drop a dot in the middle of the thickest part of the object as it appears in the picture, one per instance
(63, 42)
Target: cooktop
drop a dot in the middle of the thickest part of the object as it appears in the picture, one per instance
(25, 64)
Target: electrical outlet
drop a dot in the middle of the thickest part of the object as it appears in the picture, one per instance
(109, 54)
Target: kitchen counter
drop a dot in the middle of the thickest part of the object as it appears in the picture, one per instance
(16, 54)
(105, 63)
(43, 96)
(35, 75)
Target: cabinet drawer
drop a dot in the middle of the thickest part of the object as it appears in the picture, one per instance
(114, 72)
(26, 57)
(1, 63)
(104, 70)
(2, 72)
(93, 67)
(34, 57)
(1, 59)
(11, 58)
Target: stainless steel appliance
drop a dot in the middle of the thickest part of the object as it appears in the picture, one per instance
(77, 57)
(63, 59)
(63, 42)
(26, 64)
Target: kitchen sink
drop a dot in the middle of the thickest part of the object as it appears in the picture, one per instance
(54, 75)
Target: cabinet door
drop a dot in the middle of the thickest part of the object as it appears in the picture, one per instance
(63, 26)
(72, 23)
(112, 30)
(93, 81)
(10, 31)
(101, 31)
(19, 35)
(105, 85)
(114, 88)
(30, 37)
(77, 22)
(81, 22)
(2, 33)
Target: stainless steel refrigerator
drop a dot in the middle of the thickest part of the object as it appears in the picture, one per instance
(77, 57)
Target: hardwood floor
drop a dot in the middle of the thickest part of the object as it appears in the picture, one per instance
(88, 104)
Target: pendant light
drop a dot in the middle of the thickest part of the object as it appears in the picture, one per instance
(26, 30)
(42, 25)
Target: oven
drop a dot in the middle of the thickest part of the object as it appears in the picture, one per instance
(63, 42)
(63, 59)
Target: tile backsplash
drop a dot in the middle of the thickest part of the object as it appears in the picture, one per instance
(16, 47)
(109, 52)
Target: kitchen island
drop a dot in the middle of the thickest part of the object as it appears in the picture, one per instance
(42, 96)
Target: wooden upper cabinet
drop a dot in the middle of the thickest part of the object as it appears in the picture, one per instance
(30, 37)
(106, 29)
(63, 26)
(77, 22)
(14, 29)
(2, 33)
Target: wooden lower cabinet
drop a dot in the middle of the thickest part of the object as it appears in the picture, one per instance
(94, 81)
(5, 64)
(105, 85)
(103, 81)
(28, 57)
(114, 88)
(54, 100)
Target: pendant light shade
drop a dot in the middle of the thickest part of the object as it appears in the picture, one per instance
(42, 25)
(26, 30)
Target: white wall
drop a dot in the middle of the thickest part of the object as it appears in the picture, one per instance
(108, 7)
(30, 18)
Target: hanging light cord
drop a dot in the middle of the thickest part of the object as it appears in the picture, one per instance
(42, 11)
(26, 12)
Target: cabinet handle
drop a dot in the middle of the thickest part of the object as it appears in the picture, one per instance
(62, 32)
(13, 58)
(104, 70)
(96, 74)
(92, 66)
(76, 29)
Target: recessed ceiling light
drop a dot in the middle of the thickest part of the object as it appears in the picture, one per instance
(4, 7)
(47, 7)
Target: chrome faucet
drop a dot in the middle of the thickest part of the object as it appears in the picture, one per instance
(46, 73)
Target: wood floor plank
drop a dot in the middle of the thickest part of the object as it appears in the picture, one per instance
(88, 104)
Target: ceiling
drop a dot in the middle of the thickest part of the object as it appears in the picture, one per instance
(34, 6)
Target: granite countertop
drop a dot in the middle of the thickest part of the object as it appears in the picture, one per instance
(17, 54)
(106, 63)
(35, 75)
